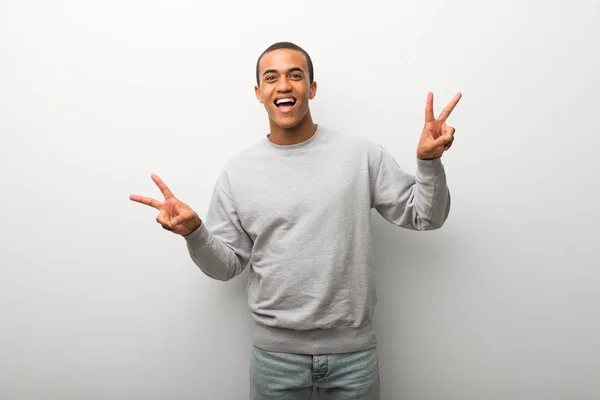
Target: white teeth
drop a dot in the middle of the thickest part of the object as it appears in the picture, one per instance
(287, 100)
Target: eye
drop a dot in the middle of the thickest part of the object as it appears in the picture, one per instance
(296, 76)
(270, 78)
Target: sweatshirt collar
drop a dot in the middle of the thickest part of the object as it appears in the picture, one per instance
(290, 147)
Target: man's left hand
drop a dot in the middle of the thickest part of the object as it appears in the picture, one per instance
(437, 137)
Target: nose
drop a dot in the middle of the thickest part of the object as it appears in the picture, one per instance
(283, 85)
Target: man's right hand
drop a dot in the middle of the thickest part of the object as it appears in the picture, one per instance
(175, 215)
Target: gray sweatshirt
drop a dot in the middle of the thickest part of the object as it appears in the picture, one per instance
(298, 217)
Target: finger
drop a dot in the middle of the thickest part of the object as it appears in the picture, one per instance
(448, 109)
(449, 130)
(178, 208)
(146, 200)
(163, 188)
(449, 144)
(429, 108)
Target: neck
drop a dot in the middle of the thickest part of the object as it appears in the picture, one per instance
(303, 131)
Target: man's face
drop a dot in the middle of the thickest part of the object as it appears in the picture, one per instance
(285, 87)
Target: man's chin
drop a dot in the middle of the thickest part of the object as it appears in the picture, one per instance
(286, 123)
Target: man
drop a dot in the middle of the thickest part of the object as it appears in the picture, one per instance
(295, 209)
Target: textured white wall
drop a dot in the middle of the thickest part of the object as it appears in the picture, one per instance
(98, 302)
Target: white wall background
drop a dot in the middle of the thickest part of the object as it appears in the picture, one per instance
(98, 302)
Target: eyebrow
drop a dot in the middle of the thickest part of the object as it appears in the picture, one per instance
(289, 70)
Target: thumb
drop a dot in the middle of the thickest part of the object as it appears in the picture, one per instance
(182, 217)
(442, 140)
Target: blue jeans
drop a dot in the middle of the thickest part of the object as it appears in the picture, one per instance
(285, 376)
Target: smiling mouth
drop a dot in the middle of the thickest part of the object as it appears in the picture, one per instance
(285, 104)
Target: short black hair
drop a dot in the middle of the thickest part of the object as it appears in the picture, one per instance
(291, 46)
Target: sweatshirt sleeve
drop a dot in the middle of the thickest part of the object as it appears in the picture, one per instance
(420, 202)
(220, 247)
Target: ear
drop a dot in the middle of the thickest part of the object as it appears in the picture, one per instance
(257, 92)
(313, 90)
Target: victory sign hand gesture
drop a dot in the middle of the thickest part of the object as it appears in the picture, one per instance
(437, 137)
(175, 215)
